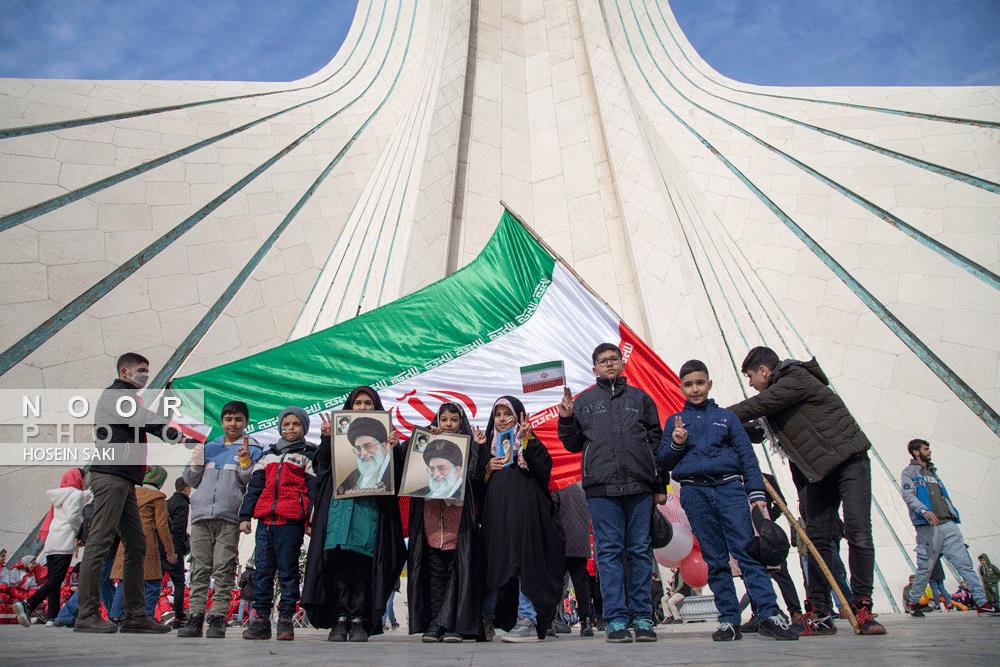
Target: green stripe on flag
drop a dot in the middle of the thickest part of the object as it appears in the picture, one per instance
(486, 299)
(540, 367)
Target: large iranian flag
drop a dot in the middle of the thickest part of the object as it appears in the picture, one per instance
(465, 338)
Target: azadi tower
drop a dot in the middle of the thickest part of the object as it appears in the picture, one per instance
(200, 222)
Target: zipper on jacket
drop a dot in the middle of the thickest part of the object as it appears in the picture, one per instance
(441, 520)
(277, 479)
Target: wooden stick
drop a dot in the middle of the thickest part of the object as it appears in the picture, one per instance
(815, 554)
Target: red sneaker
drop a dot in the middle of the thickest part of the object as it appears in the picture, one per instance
(988, 608)
(815, 624)
(867, 622)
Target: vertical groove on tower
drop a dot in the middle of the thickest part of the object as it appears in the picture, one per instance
(462, 163)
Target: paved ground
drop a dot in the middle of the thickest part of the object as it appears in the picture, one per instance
(953, 639)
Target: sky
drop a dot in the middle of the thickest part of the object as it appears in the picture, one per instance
(777, 42)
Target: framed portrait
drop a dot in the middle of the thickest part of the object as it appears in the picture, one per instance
(362, 456)
(435, 466)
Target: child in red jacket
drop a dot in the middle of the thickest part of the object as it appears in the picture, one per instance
(279, 497)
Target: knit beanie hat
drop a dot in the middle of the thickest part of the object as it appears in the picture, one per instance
(155, 476)
(366, 426)
(299, 413)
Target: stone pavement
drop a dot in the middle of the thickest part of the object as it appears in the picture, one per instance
(953, 639)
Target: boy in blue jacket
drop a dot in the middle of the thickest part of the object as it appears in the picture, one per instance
(710, 454)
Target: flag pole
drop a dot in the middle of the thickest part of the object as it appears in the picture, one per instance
(776, 497)
(559, 258)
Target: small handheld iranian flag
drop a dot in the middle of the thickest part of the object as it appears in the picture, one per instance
(542, 376)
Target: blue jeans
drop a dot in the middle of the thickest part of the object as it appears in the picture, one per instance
(720, 519)
(839, 572)
(67, 613)
(244, 606)
(390, 613)
(624, 555)
(277, 550)
(937, 587)
(151, 590)
(525, 608)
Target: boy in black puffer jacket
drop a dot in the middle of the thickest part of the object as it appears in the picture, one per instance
(617, 428)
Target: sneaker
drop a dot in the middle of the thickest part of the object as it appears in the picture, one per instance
(96, 624)
(22, 613)
(433, 635)
(523, 632)
(395, 626)
(286, 630)
(259, 629)
(358, 632)
(643, 628)
(727, 632)
(866, 620)
(489, 630)
(818, 624)
(193, 627)
(338, 633)
(452, 638)
(777, 627)
(561, 628)
(550, 632)
(586, 629)
(143, 625)
(751, 625)
(217, 627)
(600, 625)
(915, 611)
(988, 608)
(617, 633)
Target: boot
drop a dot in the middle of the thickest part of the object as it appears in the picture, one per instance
(358, 632)
(193, 627)
(339, 631)
(216, 627)
(286, 630)
(94, 623)
(259, 629)
(586, 629)
(143, 625)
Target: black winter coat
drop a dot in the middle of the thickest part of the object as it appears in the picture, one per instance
(813, 426)
(178, 512)
(618, 429)
(462, 608)
(127, 440)
(387, 561)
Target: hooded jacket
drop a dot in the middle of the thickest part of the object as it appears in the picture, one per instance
(814, 427)
(617, 428)
(219, 484)
(717, 446)
(913, 487)
(67, 513)
(153, 513)
(989, 572)
(282, 482)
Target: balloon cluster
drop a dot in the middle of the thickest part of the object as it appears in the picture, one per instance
(682, 551)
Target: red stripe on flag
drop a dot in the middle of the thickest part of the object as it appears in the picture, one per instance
(543, 384)
(645, 370)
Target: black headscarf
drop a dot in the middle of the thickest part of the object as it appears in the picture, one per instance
(465, 428)
(363, 390)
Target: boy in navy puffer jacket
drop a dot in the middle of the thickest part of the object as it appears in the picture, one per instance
(710, 454)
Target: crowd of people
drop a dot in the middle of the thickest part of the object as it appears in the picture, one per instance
(504, 556)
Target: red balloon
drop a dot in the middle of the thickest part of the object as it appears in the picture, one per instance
(694, 569)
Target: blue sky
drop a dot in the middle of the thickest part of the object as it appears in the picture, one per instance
(781, 42)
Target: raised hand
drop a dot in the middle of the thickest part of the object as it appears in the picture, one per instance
(496, 463)
(198, 455)
(327, 426)
(244, 451)
(435, 430)
(478, 436)
(524, 431)
(566, 405)
(680, 434)
(393, 438)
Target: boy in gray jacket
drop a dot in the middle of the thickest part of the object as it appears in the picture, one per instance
(219, 472)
